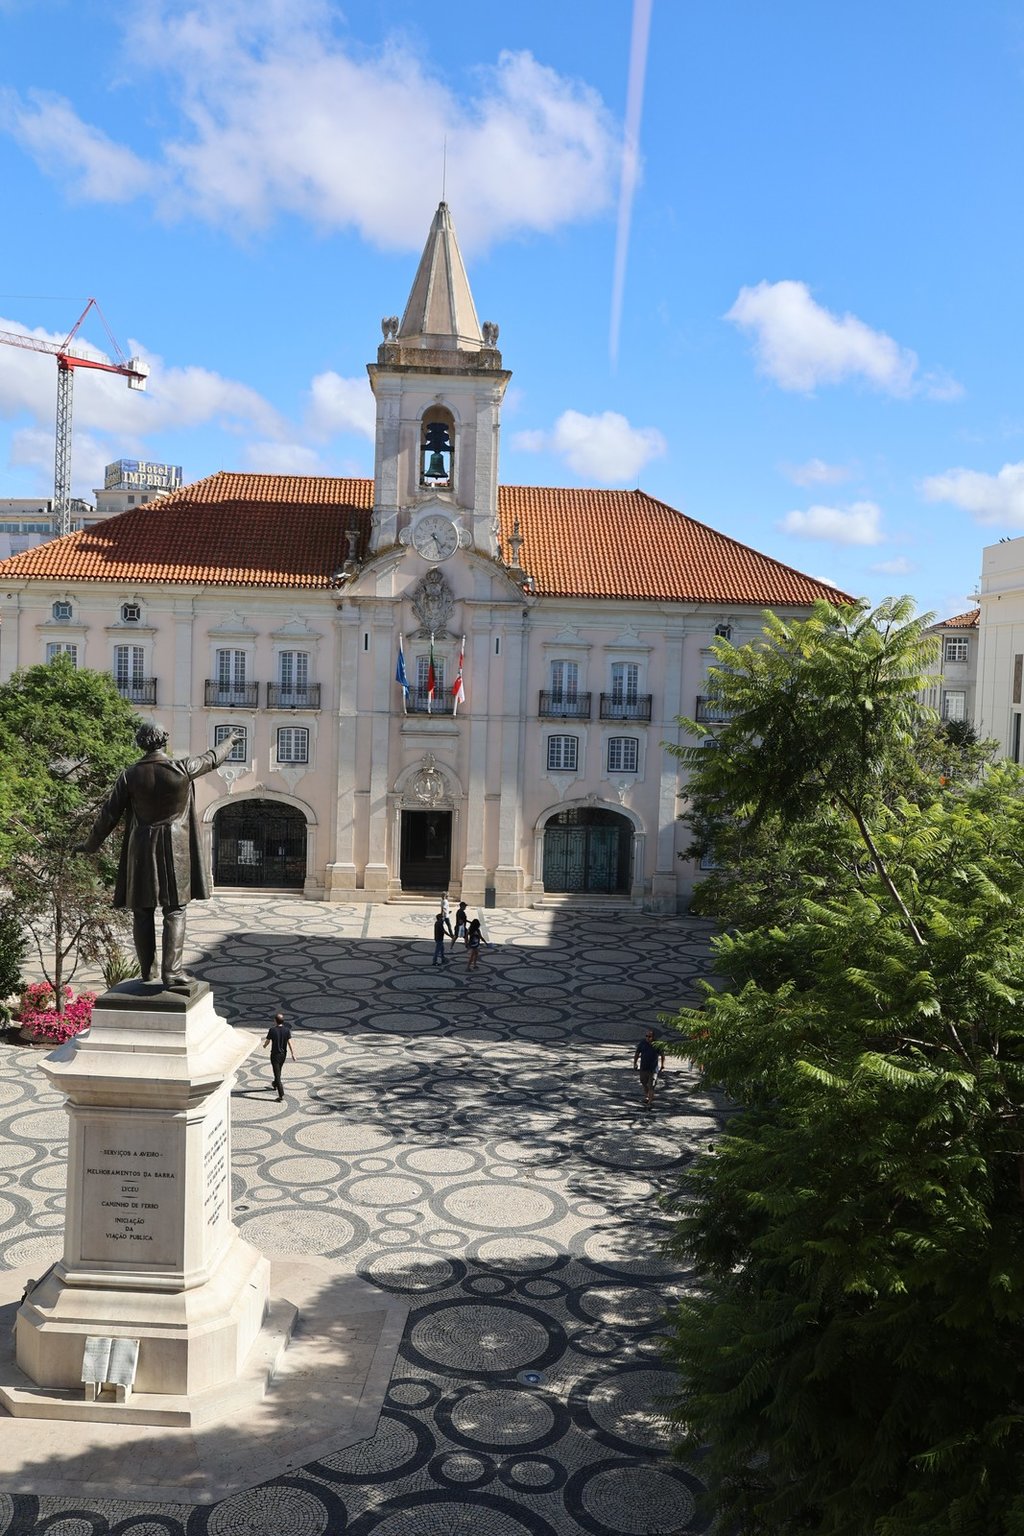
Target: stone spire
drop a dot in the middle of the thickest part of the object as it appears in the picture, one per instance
(440, 314)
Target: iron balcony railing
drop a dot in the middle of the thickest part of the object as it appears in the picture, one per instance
(564, 706)
(231, 695)
(304, 696)
(711, 710)
(615, 708)
(141, 692)
(442, 703)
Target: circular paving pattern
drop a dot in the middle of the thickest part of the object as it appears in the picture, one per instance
(474, 1146)
(469, 1338)
(482, 1205)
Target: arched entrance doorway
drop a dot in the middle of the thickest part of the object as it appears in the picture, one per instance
(587, 849)
(260, 843)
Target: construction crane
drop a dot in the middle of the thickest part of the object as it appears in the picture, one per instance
(131, 368)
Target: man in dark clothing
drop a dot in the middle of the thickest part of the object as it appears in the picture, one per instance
(441, 926)
(649, 1058)
(279, 1038)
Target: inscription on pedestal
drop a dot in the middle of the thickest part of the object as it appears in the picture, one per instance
(215, 1174)
(131, 1196)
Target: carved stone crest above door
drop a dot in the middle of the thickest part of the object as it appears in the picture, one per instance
(432, 603)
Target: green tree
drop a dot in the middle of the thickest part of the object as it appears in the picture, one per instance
(852, 1357)
(65, 735)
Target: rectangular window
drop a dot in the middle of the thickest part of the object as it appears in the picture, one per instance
(625, 682)
(129, 666)
(293, 744)
(1015, 748)
(231, 669)
(422, 673)
(623, 754)
(954, 704)
(565, 682)
(62, 648)
(240, 751)
(1018, 672)
(955, 648)
(293, 670)
(563, 753)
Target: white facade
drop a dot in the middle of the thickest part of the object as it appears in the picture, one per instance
(1001, 646)
(553, 775)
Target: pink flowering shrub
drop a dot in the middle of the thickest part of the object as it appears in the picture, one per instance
(38, 1016)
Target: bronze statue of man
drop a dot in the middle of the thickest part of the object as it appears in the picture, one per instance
(161, 862)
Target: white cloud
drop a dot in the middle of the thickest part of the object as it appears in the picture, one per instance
(340, 405)
(284, 459)
(278, 116)
(93, 166)
(857, 524)
(901, 566)
(991, 498)
(603, 447)
(801, 345)
(816, 472)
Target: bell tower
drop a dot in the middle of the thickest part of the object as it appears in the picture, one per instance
(438, 383)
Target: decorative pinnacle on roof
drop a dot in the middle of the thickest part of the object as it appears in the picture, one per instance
(440, 314)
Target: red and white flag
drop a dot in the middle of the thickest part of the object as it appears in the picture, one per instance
(459, 687)
(431, 678)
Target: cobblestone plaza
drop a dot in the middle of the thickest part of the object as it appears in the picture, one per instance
(474, 1143)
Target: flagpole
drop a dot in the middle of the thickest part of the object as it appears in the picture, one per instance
(458, 692)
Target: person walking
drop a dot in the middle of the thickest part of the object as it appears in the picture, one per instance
(446, 913)
(440, 927)
(461, 924)
(279, 1038)
(474, 939)
(649, 1060)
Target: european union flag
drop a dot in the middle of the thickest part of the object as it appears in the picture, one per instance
(401, 676)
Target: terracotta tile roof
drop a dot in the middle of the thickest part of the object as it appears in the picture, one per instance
(289, 531)
(227, 530)
(968, 620)
(625, 544)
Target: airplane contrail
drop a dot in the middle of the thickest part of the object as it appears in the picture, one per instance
(630, 161)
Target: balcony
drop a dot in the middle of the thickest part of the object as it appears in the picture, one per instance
(303, 696)
(711, 710)
(231, 695)
(141, 691)
(564, 706)
(614, 707)
(441, 704)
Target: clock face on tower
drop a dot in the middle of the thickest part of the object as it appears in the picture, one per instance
(435, 536)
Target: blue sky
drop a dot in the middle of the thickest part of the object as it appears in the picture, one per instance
(817, 349)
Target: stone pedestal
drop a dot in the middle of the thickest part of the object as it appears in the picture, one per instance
(150, 1249)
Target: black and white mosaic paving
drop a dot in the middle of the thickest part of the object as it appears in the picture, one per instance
(473, 1142)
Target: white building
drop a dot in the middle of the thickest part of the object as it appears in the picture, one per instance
(278, 603)
(954, 692)
(1001, 645)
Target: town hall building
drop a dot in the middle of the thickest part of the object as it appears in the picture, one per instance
(549, 638)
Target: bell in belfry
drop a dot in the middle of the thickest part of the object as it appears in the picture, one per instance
(437, 447)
